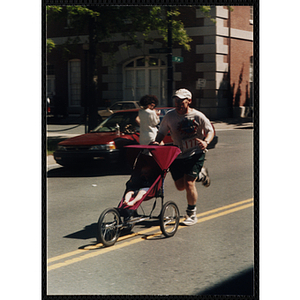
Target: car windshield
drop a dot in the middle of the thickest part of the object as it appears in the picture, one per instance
(116, 106)
(125, 120)
(123, 105)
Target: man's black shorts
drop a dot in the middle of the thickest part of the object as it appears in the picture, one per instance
(190, 166)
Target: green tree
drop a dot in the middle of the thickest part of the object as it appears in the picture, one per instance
(127, 20)
(50, 45)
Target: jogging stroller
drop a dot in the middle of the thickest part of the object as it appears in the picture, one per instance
(113, 220)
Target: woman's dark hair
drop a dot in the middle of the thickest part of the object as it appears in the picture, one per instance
(148, 99)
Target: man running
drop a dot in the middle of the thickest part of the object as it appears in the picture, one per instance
(192, 132)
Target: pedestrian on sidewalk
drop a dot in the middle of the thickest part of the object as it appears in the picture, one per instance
(148, 119)
(192, 132)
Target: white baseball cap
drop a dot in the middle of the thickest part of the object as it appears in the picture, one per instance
(183, 94)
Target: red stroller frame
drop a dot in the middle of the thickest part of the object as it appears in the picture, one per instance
(112, 220)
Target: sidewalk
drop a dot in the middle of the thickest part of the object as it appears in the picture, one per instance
(228, 124)
(50, 160)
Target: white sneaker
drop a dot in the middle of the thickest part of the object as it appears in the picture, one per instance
(204, 177)
(190, 218)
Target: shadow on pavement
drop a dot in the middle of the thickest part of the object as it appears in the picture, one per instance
(53, 141)
(246, 127)
(235, 121)
(238, 123)
(241, 284)
(89, 232)
(89, 171)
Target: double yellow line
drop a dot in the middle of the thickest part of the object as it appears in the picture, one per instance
(202, 217)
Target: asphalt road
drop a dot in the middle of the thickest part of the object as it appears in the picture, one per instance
(215, 256)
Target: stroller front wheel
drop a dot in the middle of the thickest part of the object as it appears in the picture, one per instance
(108, 229)
(169, 218)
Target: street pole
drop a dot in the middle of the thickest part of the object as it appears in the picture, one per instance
(170, 63)
(230, 92)
(86, 78)
(92, 107)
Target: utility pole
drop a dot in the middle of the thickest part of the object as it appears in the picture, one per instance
(170, 63)
(230, 92)
(92, 103)
(85, 47)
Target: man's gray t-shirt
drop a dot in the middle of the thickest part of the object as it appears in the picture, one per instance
(184, 129)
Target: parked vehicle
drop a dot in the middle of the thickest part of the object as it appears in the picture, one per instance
(48, 106)
(105, 144)
(120, 105)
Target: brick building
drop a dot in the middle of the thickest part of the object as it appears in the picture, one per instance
(217, 69)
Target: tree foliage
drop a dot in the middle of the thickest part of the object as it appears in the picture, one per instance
(127, 20)
(50, 45)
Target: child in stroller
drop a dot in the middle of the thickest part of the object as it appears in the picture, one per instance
(146, 182)
(138, 185)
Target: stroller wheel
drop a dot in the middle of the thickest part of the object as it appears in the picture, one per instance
(109, 225)
(169, 219)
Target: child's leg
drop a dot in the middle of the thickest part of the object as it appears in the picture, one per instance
(138, 197)
(128, 197)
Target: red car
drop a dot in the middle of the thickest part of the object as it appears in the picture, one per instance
(104, 144)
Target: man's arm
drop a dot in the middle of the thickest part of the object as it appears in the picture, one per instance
(204, 143)
(163, 130)
(158, 139)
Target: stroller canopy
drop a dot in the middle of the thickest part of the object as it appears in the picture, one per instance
(163, 155)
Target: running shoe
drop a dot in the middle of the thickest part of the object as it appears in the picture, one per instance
(204, 177)
(190, 218)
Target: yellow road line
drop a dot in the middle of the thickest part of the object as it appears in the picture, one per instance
(122, 238)
(224, 210)
(92, 254)
(224, 207)
(64, 255)
(97, 246)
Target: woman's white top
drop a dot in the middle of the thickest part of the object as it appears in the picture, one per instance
(148, 122)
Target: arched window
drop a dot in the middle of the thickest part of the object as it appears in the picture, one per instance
(145, 75)
(74, 78)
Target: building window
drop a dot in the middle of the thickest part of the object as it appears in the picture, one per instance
(69, 21)
(74, 83)
(251, 81)
(145, 75)
(50, 81)
(50, 70)
(251, 69)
